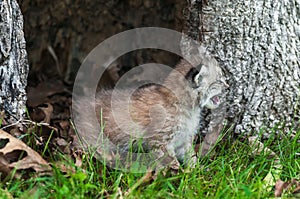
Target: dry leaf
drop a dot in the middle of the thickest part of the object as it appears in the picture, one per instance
(78, 160)
(4, 169)
(65, 125)
(16, 154)
(66, 168)
(39, 95)
(297, 189)
(292, 186)
(61, 142)
(42, 113)
(279, 186)
(48, 112)
(63, 145)
(77, 155)
(276, 167)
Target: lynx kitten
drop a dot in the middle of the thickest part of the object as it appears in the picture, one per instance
(167, 115)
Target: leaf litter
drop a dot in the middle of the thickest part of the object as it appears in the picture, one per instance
(49, 112)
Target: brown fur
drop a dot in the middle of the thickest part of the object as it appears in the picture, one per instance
(168, 115)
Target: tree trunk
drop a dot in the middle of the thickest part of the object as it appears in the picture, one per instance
(13, 61)
(258, 45)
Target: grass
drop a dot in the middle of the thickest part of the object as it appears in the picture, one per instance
(232, 172)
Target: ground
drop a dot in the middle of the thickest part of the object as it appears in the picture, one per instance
(233, 170)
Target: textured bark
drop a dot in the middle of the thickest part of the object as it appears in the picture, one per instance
(13, 61)
(258, 44)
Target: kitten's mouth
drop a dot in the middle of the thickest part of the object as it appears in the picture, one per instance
(213, 102)
(216, 100)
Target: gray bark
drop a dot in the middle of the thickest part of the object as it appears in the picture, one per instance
(258, 44)
(13, 61)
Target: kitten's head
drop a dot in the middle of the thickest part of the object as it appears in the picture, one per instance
(209, 83)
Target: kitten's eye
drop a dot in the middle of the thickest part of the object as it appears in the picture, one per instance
(192, 77)
(198, 79)
(223, 83)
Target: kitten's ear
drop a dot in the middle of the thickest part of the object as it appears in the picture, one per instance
(202, 71)
(198, 79)
(195, 76)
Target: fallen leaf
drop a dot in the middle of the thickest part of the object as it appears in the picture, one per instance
(14, 154)
(65, 125)
(61, 142)
(48, 112)
(4, 169)
(63, 145)
(279, 186)
(78, 160)
(63, 167)
(39, 95)
(297, 189)
(15, 132)
(291, 186)
(276, 167)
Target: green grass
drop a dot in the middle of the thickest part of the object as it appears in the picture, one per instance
(232, 172)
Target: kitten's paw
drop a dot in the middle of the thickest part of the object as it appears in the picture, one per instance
(193, 161)
(174, 165)
(172, 169)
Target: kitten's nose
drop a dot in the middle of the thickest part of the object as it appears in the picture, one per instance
(224, 83)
